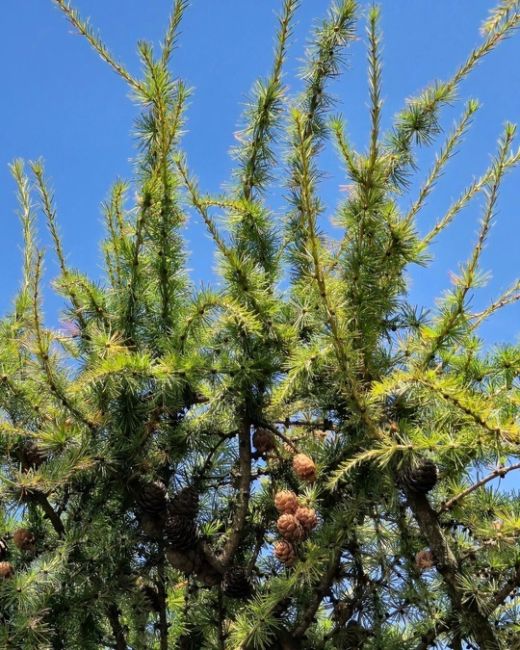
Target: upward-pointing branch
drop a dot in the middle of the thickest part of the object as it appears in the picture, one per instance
(97, 44)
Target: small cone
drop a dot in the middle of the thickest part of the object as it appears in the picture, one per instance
(263, 440)
(3, 549)
(236, 584)
(422, 478)
(307, 518)
(6, 570)
(185, 502)
(181, 532)
(286, 501)
(24, 539)
(290, 528)
(284, 552)
(424, 559)
(304, 467)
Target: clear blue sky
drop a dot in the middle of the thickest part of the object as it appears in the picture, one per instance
(63, 103)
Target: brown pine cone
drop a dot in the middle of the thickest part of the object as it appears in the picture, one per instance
(149, 594)
(185, 562)
(304, 467)
(24, 539)
(284, 552)
(288, 449)
(290, 528)
(424, 559)
(236, 584)
(192, 639)
(307, 518)
(151, 496)
(185, 502)
(320, 434)
(285, 501)
(6, 570)
(207, 574)
(152, 524)
(181, 532)
(263, 440)
(32, 456)
(422, 478)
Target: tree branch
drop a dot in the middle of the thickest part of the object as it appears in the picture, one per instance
(244, 451)
(447, 565)
(52, 515)
(117, 628)
(499, 472)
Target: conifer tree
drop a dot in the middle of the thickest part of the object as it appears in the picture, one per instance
(267, 465)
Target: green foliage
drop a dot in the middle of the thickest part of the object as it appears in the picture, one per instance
(142, 445)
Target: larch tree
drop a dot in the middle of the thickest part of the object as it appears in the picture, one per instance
(299, 458)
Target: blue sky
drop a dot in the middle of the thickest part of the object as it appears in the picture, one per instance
(63, 103)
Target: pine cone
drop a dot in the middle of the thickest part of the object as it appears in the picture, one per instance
(288, 449)
(192, 639)
(286, 501)
(424, 559)
(307, 518)
(152, 524)
(32, 456)
(290, 528)
(181, 532)
(3, 549)
(150, 596)
(6, 570)
(284, 552)
(151, 497)
(185, 502)
(24, 539)
(207, 574)
(263, 440)
(304, 467)
(184, 562)
(236, 584)
(320, 434)
(421, 478)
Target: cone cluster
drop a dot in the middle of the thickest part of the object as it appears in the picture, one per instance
(294, 524)
(180, 527)
(172, 518)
